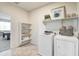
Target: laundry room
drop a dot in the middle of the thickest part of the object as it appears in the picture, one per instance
(40, 28)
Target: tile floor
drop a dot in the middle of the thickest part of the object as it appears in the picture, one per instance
(4, 44)
(6, 53)
(26, 50)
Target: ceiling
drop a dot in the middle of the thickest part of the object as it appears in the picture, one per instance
(29, 6)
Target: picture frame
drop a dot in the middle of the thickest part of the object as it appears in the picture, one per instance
(58, 13)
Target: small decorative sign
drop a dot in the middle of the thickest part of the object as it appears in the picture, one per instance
(47, 17)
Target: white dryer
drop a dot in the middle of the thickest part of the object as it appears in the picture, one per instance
(65, 45)
(46, 45)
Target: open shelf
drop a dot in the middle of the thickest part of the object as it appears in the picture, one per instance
(73, 18)
(56, 20)
(25, 29)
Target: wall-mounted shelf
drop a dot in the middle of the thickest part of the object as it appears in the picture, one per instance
(73, 18)
(56, 20)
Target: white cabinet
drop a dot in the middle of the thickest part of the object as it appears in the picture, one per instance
(65, 46)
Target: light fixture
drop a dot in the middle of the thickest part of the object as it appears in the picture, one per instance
(16, 2)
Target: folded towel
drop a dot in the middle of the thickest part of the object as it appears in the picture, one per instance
(26, 39)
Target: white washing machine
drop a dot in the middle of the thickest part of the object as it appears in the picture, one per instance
(46, 45)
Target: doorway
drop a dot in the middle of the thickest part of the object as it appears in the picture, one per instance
(5, 31)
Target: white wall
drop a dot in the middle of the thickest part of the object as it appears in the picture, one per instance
(36, 18)
(4, 16)
(17, 15)
(78, 14)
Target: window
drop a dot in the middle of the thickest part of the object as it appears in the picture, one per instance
(5, 26)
